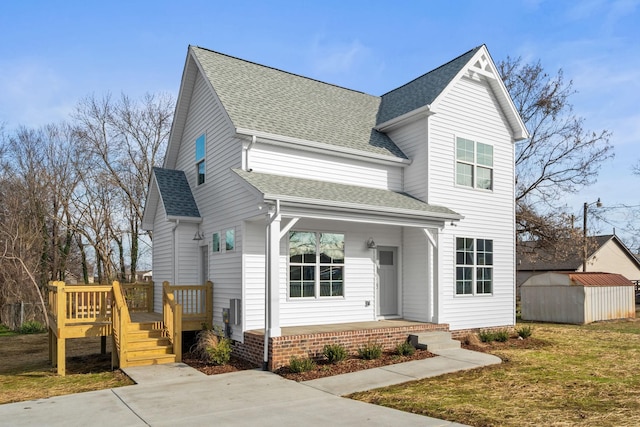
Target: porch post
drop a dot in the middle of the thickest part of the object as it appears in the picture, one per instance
(273, 279)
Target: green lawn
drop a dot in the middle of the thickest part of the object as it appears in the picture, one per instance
(26, 373)
(563, 375)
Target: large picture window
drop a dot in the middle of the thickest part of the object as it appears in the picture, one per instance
(474, 266)
(474, 164)
(316, 264)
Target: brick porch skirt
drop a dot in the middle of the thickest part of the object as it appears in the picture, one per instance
(311, 344)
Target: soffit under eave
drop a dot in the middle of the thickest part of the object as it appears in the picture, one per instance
(151, 204)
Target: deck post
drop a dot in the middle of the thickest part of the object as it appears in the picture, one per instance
(61, 353)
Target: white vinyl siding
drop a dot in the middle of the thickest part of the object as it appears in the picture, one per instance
(310, 165)
(222, 201)
(469, 108)
(412, 140)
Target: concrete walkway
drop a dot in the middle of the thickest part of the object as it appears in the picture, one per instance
(176, 394)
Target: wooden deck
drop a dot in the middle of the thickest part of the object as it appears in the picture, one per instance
(78, 311)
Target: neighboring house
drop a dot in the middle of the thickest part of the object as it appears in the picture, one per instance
(336, 205)
(606, 254)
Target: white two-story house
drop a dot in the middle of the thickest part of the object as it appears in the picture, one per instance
(306, 203)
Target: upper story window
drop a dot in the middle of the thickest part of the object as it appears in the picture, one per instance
(474, 266)
(474, 164)
(316, 264)
(200, 159)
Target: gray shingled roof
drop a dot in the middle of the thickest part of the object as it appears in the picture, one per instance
(265, 99)
(423, 90)
(533, 257)
(341, 195)
(175, 193)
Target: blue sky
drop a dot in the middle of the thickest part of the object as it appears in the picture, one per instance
(53, 53)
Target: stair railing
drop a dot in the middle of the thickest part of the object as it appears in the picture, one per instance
(121, 318)
(172, 313)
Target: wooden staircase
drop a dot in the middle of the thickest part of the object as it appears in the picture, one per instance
(146, 344)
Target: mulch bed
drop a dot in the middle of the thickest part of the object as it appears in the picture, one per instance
(323, 368)
(234, 365)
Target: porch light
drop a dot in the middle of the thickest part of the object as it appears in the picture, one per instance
(198, 236)
(371, 244)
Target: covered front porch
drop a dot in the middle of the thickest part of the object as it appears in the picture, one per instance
(309, 340)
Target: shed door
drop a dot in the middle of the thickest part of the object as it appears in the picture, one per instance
(388, 280)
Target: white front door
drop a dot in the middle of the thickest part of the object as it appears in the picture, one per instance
(388, 280)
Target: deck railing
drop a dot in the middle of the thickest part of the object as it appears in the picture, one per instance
(72, 304)
(196, 302)
(121, 319)
(172, 313)
(139, 296)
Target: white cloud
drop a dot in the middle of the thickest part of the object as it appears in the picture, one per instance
(337, 57)
(33, 94)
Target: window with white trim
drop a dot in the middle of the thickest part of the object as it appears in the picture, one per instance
(316, 264)
(474, 266)
(215, 243)
(474, 164)
(200, 159)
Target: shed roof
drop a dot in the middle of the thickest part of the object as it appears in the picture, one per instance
(341, 195)
(588, 279)
(175, 193)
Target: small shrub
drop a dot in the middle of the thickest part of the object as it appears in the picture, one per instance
(212, 346)
(298, 365)
(370, 351)
(405, 349)
(334, 353)
(525, 332)
(471, 339)
(220, 354)
(31, 327)
(502, 335)
(487, 336)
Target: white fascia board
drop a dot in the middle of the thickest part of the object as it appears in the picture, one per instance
(411, 116)
(318, 147)
(292, 211)
(355, 207)
(151, 204)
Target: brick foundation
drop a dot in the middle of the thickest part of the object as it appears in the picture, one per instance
(460, 334)
(310, 345)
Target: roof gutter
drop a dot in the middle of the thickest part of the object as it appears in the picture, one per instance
(418, 113)
(318, 147)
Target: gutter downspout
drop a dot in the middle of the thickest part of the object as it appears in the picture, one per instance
(268, 284)
(246, 152)
(175, 261)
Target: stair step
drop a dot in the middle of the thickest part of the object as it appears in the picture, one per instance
(149, 351)
(137, 343)
(145, 334)
(433, 341)
(145, 326)
(155, 360)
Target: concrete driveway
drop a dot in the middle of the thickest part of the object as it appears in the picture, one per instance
(170, 395)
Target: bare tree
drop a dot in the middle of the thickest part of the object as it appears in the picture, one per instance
(127, 139)
(560, 156)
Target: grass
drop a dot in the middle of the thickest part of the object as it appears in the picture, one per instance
(6, 332)
(565, 375)
(26, 373)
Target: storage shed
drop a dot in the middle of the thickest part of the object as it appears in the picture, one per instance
(577, 297)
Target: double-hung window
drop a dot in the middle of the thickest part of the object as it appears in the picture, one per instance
(200, 159)
(316, 264)
(474, 164)
(474, 266)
